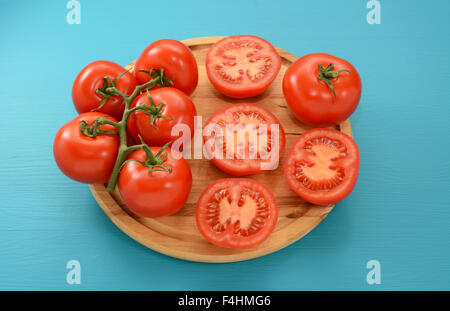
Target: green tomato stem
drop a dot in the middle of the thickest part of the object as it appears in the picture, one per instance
(153, 162)
(109, 88)
(328, 75)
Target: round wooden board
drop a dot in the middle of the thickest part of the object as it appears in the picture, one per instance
(177, 235)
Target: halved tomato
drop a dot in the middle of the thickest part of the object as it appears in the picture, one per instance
(242, 66)
(244, 139)
(322, 166)
(236, 213)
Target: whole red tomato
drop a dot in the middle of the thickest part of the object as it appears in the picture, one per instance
(175, 58)
(171, 107)
(82, 158)
(90, 79)
(308, 88)
(155, 193)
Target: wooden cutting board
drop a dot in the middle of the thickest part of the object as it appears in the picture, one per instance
(177, 235)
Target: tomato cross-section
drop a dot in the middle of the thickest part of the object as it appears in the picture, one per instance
(242, 66)
(244, 139)
(236, 213)
(322, 166)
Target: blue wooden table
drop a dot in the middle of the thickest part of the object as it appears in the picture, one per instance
(398, 214)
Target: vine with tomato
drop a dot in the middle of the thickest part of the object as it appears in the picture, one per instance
(153, 162)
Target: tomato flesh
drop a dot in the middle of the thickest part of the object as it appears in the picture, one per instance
(259, 150)
(242, 66)
(236, 213)
(322, 166)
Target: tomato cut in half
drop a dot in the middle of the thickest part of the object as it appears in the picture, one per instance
(322, 166)
(236, 213)
(242, 66)
(244, 139)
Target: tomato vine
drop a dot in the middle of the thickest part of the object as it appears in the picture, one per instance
(153, 162)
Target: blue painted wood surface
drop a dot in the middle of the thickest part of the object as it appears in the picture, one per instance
(398, 214)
